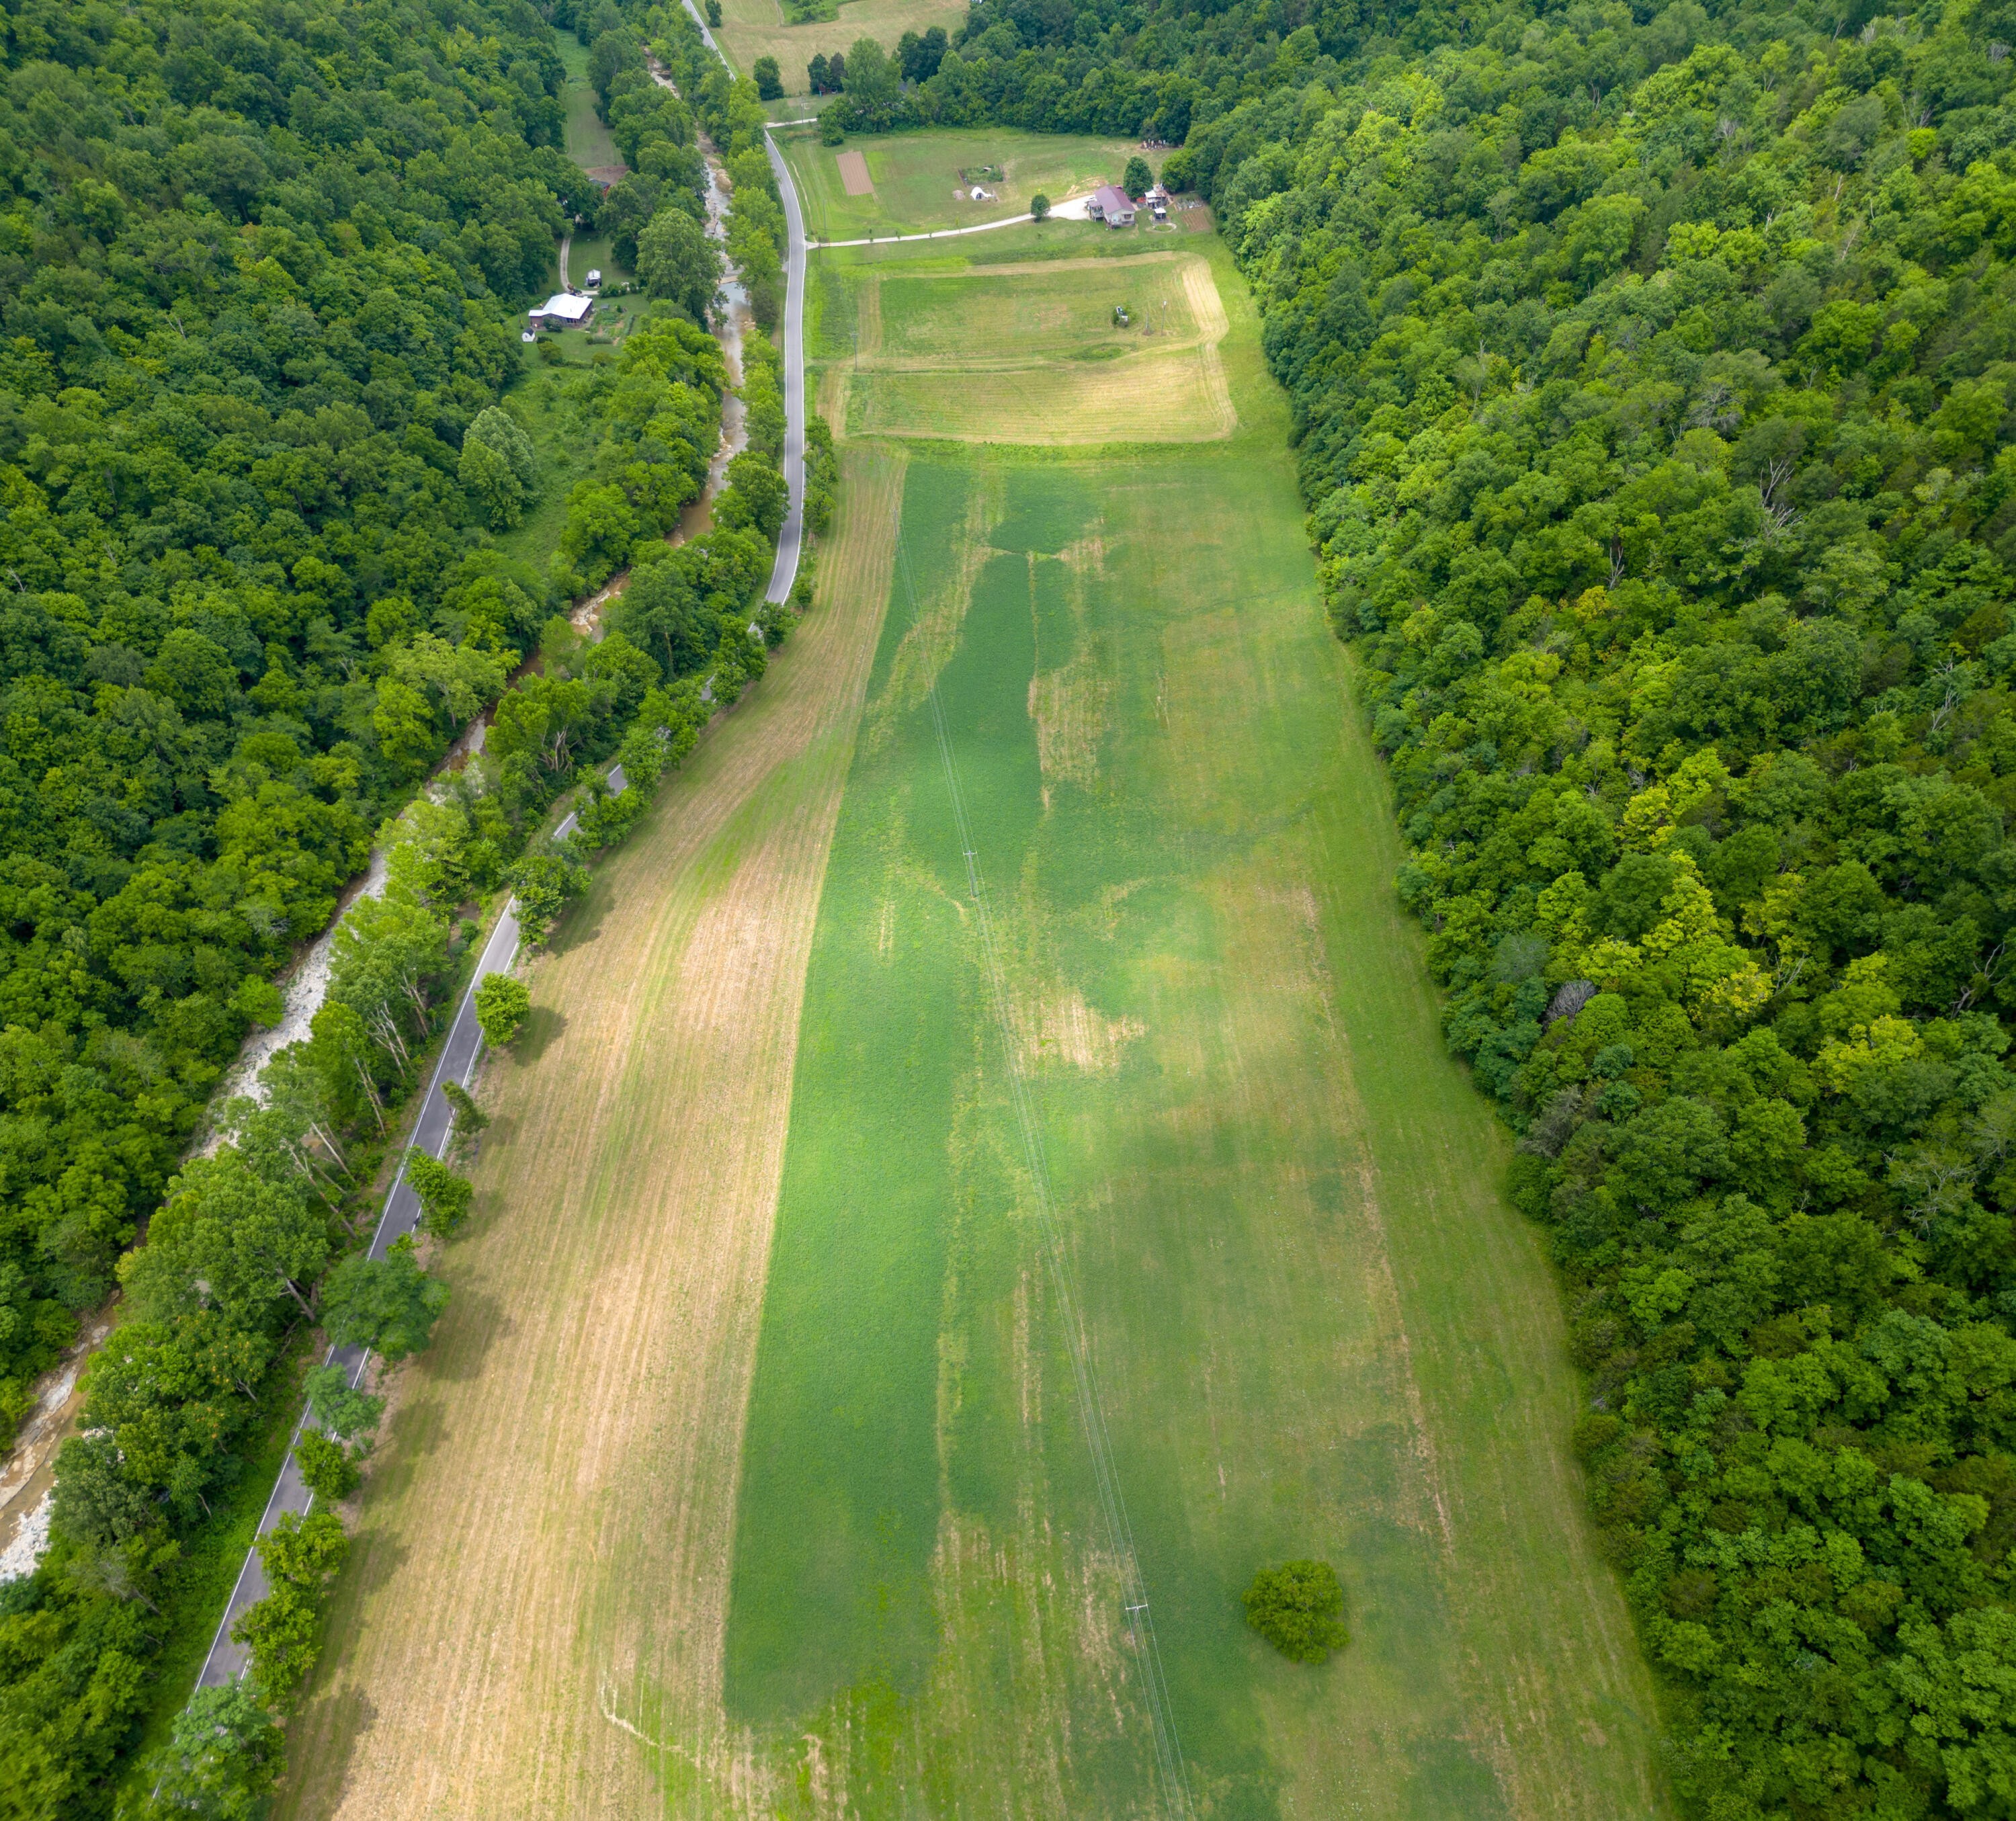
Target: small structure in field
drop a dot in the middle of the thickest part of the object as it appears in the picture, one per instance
(1111, 206)
(562, 310)
(594, 278)
(1159, 202)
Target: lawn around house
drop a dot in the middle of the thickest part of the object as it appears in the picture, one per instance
(915, 175)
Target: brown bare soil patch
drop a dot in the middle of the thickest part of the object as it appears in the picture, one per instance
(854, 173)
(532, 1620)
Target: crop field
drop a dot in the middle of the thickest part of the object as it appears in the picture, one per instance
(1027, 351)
(916, 175)
(1150, 1161)
(750, 29)
(537, 1577)
(983, 1178)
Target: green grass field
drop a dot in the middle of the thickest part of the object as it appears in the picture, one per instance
(915, 175)
(1312, 1326)
(588, 141)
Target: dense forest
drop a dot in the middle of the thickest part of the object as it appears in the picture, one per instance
(257, 263)
(1652, 371)
(264, 416)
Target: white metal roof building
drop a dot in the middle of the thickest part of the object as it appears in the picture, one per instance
(564, 309)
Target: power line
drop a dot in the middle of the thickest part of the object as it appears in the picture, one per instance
(1120, 1535)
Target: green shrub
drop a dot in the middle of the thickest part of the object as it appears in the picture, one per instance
(1298, 1608)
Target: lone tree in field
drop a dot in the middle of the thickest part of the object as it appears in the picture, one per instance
(769, 79)
(1298, 1608)
(1136, 182)
(502, 1003)
(1039, 205)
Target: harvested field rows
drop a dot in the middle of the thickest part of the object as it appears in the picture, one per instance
(539, 1580)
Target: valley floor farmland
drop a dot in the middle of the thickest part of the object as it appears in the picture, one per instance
(749, 1474)
(1313, 1326)
(539, 1563)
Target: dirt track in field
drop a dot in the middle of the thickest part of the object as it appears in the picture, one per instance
(531, 1624)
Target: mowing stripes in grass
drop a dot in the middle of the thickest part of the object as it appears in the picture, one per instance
(1140, 1621)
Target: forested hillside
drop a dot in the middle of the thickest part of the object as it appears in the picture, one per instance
(256, 265)
(1652, 373)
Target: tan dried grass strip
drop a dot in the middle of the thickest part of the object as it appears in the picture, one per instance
(532, 1623)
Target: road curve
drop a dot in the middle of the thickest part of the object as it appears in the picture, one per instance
(791, 537)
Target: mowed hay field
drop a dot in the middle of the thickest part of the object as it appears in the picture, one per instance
(539, 1580)
(1310, 1324)
(916, 175)
(750, 29)
(1029, 350)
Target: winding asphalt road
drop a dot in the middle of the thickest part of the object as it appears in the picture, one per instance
(227, 1658)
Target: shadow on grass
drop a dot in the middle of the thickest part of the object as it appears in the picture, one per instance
(542, 1024)
(482, 1322)
(345, 1719)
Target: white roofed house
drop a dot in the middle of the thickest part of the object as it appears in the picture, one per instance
(563, 310)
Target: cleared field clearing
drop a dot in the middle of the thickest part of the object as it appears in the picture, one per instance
(1057, 311)
(1028, 352)
(916, 175)
(1177, 397)
(750, 29)
(538, 1586)
(1312, 1326)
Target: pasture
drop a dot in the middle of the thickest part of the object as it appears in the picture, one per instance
(1026, 351)
(917, 176)
(750, 29)
(1150, 1164)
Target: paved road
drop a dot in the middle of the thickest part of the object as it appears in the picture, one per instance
(791, 536)
(226, 1661)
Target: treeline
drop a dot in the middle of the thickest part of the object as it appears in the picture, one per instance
(252, 1245)
(1652, 383)
(256, 267)
(1114, 66)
